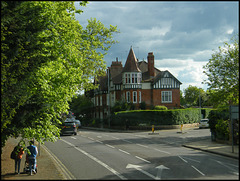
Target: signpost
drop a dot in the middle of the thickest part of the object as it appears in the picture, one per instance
(234, 114)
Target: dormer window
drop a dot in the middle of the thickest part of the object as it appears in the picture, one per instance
(132, 78)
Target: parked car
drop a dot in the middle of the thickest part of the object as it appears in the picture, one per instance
(77, 122)
(69, 127)
(204, 123)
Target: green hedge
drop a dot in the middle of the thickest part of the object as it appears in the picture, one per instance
(156, 117)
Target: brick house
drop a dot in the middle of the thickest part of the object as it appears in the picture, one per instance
(136, 82)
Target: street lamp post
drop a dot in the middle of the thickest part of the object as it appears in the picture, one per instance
(200, 104)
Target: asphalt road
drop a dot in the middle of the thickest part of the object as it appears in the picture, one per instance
(140, 155)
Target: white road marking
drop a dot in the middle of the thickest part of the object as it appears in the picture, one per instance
(110, 146)
(73, 138)
(127, 141)
(98, 141)
(142, 145)
(198, 171)
(223, 164)
(91, 138)
(162, 151)
(140, 136)
(192, 160)
(115, 137)
(183, 159)
(98, 161)
(142, 159)
(124, 151)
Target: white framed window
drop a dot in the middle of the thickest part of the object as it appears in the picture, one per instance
(166, 81)
(166, 96)
(140, 97)
(128, 96)
(134, 96)
(132, 78)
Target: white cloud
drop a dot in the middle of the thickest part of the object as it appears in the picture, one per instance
(230, 31)
(182, 35)
(189, 72)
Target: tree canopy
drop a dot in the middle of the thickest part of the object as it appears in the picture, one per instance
(223, 73)
(46, 56)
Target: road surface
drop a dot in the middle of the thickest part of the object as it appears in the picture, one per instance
(140, 156)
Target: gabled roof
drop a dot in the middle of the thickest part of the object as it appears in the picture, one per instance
(165, 74)
(131, 63)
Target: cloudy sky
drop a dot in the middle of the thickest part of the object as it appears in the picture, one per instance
(181, 35)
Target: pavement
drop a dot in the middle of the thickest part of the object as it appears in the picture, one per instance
(49, 168)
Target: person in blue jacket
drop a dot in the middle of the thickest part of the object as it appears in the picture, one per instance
(32, 157)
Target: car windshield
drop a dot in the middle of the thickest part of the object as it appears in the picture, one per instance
(204, 120)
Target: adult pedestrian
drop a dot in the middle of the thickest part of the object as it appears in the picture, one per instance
(19, 151)
(32, 157)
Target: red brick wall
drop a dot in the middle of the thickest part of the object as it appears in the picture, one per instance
(175, 98)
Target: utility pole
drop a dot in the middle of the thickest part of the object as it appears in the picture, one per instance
(109, 97)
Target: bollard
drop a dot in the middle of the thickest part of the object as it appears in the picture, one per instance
(181, 127)
(152, 128)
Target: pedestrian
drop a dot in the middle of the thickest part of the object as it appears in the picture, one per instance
(19, 151)
(32, 157)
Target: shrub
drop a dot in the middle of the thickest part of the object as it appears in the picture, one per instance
(157, 117)
(160, 108)
(215, 115)
(222, 129)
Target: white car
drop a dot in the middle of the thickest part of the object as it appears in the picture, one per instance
(204, 123)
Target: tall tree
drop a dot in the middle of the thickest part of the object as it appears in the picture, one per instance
(223, 72)
(191, 95)
(82, 107)
(46, 56)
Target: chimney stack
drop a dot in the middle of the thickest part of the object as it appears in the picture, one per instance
(150, 59)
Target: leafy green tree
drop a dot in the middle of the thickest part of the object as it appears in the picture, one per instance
(82, 107)
(46, 56)
(223, 73)
(191, 95)
(182, 99)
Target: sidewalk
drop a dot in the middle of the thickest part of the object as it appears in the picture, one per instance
(49, 170)
(214, 147)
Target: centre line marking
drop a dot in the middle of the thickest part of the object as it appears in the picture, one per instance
(115, 137)
(99, 141)
(162, 151)
(91, 138)
(127, 141)
(183, 159)
(124, 151)
(142, 145)
(109, 145)
(142, 159)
